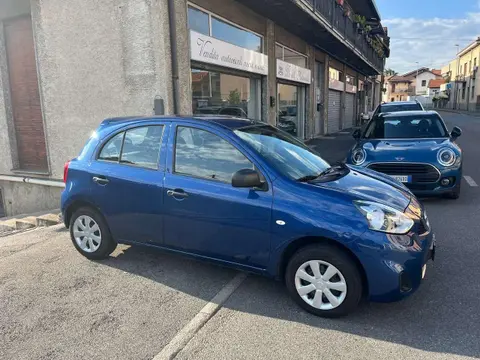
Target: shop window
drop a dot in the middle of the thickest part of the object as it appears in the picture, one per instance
(215, 93)
(335, 74)
(290, 56)
(200, 21)
(236, 36)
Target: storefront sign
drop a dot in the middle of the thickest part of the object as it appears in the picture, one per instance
(292, 72)
(213, 51)
(336, 85)
(350, 88)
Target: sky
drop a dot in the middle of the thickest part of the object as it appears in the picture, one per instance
(426, 31)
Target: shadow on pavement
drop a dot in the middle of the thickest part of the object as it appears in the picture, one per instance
(441, 317)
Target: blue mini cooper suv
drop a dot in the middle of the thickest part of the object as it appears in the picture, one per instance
(248, 195)
(413, 147)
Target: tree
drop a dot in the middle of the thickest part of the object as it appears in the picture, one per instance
(234, 97)
(390, 72)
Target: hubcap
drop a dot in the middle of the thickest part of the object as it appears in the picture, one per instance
(320, 284)
(87, 234)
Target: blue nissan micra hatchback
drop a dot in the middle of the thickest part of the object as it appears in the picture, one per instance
(413, 147)
(248, 195)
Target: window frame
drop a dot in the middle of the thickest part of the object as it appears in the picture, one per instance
(124, 131)
(211, 131)
(210, 14)
(294, 51)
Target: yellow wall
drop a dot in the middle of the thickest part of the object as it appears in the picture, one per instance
(467, 58)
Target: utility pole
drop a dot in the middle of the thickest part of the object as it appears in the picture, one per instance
(455, 95)
(416, 82)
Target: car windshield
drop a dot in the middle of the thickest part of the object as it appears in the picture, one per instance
(399, 107)
(286, 154)
(404, 127)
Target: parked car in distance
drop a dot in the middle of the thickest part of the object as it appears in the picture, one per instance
(415, 148)
(247, 195)
(287, 119)
(235, 111)
(397, 106)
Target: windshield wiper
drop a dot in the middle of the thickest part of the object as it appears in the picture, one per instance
(337, 168)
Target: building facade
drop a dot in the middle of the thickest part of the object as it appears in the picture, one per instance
(410, 86)
(62, 71)
(462, 78)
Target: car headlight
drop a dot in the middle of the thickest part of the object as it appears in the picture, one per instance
(446, 157)
(384, 218)
(359, 156)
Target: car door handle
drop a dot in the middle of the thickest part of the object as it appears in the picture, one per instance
(177, 193)
(100, 180)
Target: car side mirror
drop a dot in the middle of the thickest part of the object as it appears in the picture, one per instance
(456, 132)
(247, 178)
(357, 134)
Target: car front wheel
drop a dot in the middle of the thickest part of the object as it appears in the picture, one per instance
(90, 234)
(324, 280)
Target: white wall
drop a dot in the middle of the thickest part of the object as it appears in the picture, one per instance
(427, 76)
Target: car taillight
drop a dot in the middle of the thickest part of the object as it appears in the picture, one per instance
(65, 171)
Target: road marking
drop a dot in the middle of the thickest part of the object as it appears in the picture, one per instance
(470, 181)
(183, 337)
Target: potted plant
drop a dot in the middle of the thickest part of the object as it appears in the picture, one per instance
(346, 12)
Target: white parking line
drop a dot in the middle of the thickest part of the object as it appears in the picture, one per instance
(182, 338)
(470, 181)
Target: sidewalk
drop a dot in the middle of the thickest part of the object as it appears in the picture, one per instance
(463, 112)
(333, 148)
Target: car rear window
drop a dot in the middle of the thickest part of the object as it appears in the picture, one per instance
(400, 107)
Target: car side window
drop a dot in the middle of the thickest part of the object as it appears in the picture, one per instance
(141, 146)
(111, 150)
(203, 154)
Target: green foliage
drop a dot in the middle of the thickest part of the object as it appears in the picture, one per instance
(234, 97)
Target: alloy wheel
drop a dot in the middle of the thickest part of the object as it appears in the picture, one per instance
(87, 234)
(320, 284)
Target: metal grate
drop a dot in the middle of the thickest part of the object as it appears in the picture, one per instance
(421, 173)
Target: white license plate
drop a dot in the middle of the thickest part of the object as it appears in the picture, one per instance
(402, 178)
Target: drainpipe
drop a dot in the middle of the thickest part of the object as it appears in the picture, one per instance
(29, 180)
(173, 54)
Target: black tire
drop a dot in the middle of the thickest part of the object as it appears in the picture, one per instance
(107, 244)
(342, 262)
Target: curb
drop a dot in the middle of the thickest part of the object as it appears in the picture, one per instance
(13, 225)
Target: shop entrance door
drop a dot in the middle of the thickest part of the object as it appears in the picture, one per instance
(291, 109)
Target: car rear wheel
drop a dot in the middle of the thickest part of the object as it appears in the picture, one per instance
(90, 234)
(324, 280)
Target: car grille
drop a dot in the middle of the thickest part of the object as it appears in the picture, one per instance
(420, 172)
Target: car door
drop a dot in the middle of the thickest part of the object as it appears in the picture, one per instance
(204, 213)
(127, 182)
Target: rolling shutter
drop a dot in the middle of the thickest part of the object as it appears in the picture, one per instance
(334, 105)
(349, 111)
(27, 112)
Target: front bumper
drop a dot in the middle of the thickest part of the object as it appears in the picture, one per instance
(395, 272)
(435, 188)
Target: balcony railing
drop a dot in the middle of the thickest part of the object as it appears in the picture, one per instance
(333, 13)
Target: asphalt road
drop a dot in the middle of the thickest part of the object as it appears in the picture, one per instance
(54, 304)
